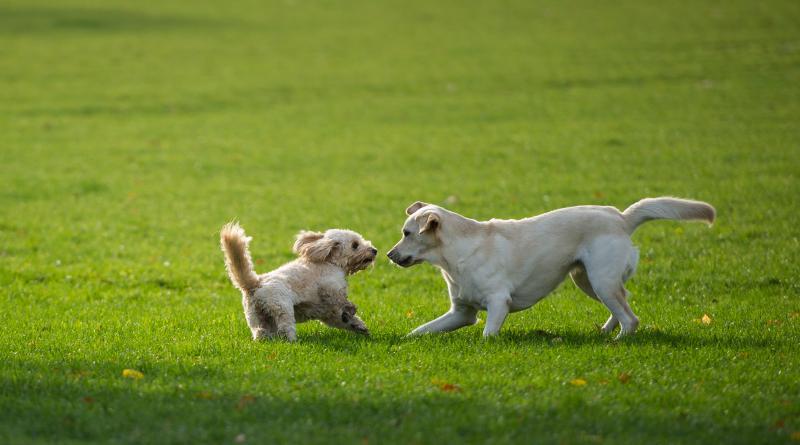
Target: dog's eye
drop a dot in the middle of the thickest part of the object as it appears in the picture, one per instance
(355, 245)
(345, 317)
(406, 233)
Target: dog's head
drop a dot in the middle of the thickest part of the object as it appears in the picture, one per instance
(344, 248)
(421, 235)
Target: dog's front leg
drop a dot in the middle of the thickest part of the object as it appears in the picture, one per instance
(497, 309)
(457, 317)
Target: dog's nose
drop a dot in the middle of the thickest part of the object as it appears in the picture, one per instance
(373, 250)
(391, 254)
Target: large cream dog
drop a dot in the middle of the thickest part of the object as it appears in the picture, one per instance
(504, 266)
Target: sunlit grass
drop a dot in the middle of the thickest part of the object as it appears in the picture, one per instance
(130, 134)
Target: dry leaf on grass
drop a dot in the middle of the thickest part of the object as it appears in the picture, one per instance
(205, 395)
(132, 374)
(578, 382)
(795, 436)
(410, 313)
(244, 401)
(624, 377)
(446, 386)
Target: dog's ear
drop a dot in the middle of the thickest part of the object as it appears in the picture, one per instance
(416, 206)
(314, 246)
(429, 222)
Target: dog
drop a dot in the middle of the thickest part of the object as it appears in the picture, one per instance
(312, 287)
(504, 266)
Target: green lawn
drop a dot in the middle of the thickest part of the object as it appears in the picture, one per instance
(130, 133)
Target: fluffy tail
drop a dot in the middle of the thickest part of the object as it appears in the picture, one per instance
(237, 257)
(667, 208)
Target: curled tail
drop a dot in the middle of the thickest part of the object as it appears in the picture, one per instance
(667, 208)
(237, 257)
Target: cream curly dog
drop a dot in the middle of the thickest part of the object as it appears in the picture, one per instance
(312, 287)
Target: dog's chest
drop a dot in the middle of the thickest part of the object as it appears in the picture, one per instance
(469, 291)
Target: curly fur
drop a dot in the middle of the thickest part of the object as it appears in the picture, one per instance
(312, 287)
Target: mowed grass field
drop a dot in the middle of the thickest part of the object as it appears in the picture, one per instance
(130, 133)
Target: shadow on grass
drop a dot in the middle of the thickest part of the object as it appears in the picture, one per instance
(641, 338)
(34, 408)
(353, 344)
(43, 20)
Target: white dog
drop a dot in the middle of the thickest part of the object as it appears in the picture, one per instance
(504, 266)
(312, 287)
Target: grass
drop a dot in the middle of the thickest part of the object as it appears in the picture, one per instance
(130, 134)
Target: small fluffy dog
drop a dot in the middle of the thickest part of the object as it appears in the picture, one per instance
(504, 266)
(312, 287)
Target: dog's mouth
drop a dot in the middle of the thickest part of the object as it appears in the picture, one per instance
(402, 261)
(406, 262)
(364, 262)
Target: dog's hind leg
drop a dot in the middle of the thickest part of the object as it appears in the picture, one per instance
(581, 279)
(276, 304)
(259, 325)
(608, 265)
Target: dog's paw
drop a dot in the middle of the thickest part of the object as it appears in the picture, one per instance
(287, 334)
(261, 334)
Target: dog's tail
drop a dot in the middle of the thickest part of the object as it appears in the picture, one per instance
(667, 208)
(237, 257)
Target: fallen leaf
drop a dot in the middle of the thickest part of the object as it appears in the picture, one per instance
(410, 313)
(272, 356)
(706, 319)
(244, 401)
(88, 400)
(205, 395)
(774, 322)
(449, 387)
(132, 374)
(446, 386)
(577, 382)
(624, 377)
(780, 423)
(794, 315)
(79, 373)
(795, 436)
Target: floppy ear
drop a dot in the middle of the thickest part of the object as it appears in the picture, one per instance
(416, 206)
(313, 246)
(429, 222)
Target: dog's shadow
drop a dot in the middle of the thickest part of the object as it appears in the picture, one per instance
(641, 338)
(352, 344)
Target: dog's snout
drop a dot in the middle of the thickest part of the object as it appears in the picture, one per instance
(399, 260)
(373, 250)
